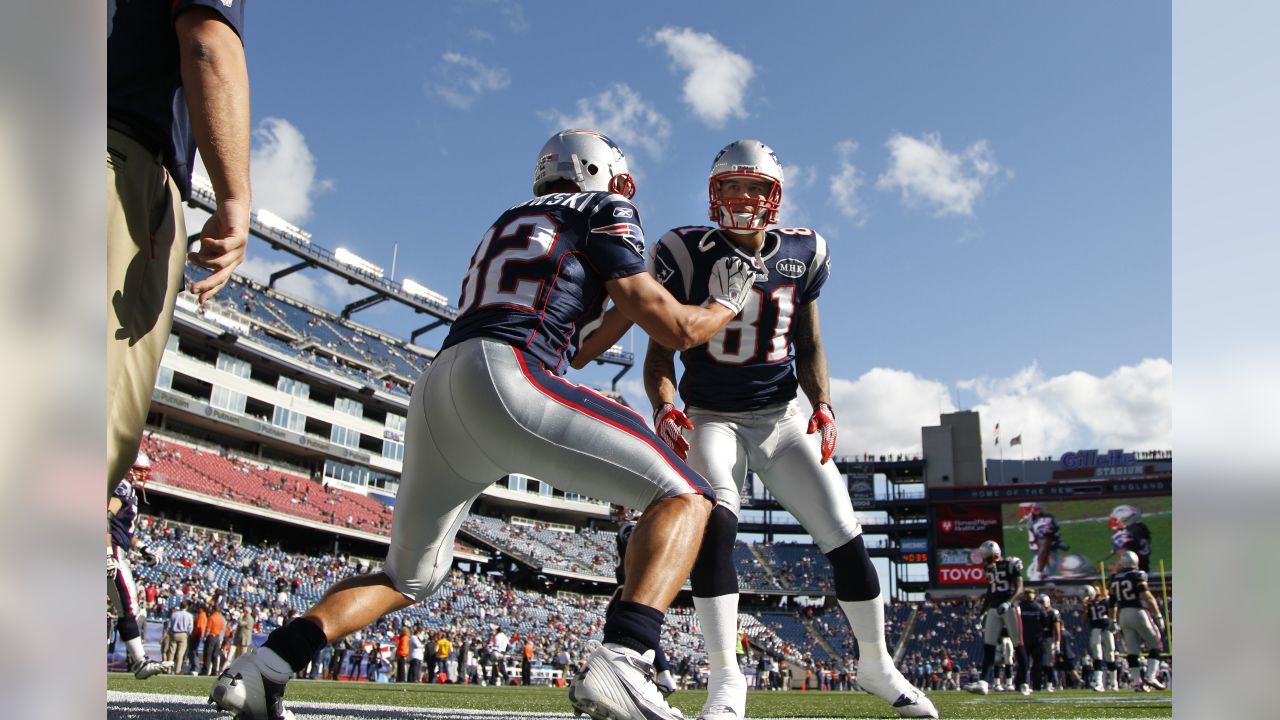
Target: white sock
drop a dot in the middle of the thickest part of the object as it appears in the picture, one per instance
(1153, 667)
(866, 618)
(1115, 678)
(1135, 674)
(718, 618)
(134, 648)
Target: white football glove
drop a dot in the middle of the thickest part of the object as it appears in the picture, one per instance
(1004, 607)
(731, 281)
(1160, 622)
(112, 568)
(152, 554)
(665, 682)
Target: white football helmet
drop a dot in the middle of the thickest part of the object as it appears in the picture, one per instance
(989, 550)
(584, 157)
(1124, 516)
(749, 160)
(1128, 560)
(1090, 592)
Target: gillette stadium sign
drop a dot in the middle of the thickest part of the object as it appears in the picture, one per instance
(1092, 458)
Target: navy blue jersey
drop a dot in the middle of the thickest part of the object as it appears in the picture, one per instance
(1137, 538)
(1043, 531)
(1002, 580)
(144, 79)
(1034, 620)
(540, 270)
(1127, 587)
(124, 522)
(1099, 611)
(756, 346)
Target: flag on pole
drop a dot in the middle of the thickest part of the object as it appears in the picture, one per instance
(996, 433)
(1017, 440)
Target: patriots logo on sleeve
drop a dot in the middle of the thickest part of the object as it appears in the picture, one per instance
(627, 231)
(661, 270)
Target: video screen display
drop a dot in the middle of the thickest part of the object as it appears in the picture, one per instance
(1066, 539)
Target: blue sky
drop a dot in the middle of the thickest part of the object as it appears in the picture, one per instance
(1000, 220)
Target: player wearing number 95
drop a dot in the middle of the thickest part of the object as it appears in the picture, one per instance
(742, 413)
(492, 403)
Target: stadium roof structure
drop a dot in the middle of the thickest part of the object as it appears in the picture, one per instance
(283, 235)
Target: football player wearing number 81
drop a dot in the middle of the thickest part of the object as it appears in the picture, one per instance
(493, 403)
(742, 413)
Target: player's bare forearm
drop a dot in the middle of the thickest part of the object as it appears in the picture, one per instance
(215, 81)
(659, 374)
(666, 320)
(613, 325)
(811, 358)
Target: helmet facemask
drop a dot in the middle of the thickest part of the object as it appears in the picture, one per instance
(743, 212)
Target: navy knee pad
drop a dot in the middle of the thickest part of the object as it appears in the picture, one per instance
(855, 577)
(714, 572)
(128, 627)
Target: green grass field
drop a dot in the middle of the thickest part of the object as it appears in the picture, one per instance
(516, 700)
(1084, 528)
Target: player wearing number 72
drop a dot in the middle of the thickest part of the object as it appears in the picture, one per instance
(742, 413)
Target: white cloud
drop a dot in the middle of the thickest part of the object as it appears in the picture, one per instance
(1131, 408)
(797, 179)
(844, 184)
(883, 411)
(623, 115)
(717, 77)
(483, 36)
(926, 173)
(465, 79)
(282, 171)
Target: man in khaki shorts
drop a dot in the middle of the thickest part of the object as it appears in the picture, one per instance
(176, 80)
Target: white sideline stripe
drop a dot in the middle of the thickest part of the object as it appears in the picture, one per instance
(153, 706)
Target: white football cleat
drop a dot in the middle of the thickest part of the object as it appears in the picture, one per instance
(726, 696)
(1025, 689)
(617, 683)
(977, 687)
(1154, 683)
(145, 668)
(889, 685)
(248, 688)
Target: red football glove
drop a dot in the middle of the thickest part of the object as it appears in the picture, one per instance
(667, 423)
(824, 418)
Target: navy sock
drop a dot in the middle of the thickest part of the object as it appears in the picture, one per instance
(297, 643)
(988, 662)
(634, 626)
(660, 660)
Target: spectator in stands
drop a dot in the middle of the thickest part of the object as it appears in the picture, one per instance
(176, 80)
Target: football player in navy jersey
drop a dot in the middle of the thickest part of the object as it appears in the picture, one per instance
(122, 520)
(1102, 641)
(742, 413)
(492, 403)
(1044, 537)
(1128, 532)
(1138, 616)
(1000, 610)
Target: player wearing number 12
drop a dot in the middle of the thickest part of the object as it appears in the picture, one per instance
(743, 414)
(492, 403)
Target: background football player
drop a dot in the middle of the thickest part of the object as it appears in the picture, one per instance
(493, 403)
(1044, 537)
(743, 414)
(122, 520)
(1128, 532)
(1102, 639)
(1052, 643)
(1000, 610)
(1138, 616)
